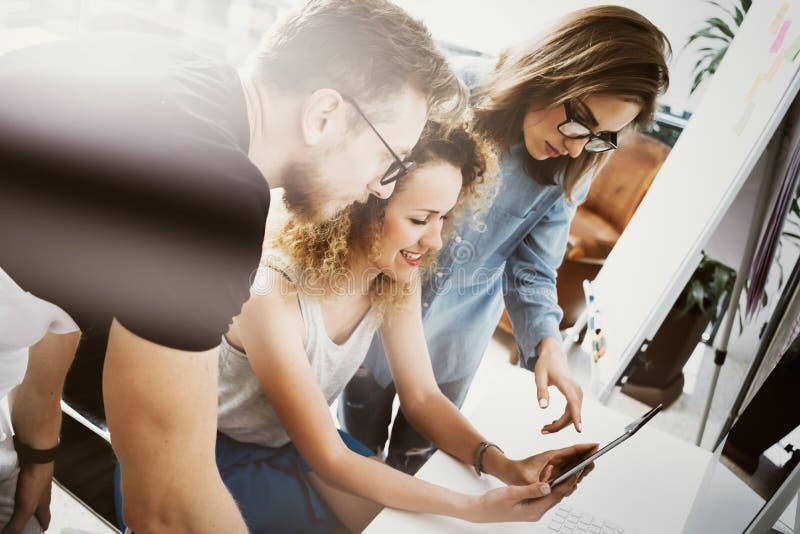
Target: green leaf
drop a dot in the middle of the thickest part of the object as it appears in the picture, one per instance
(795, 209)
(720, 24)
(697, 81)
(721, 8)
(705, 33)
(792, 235)
(700, 62)
(716, 29)
(708, 33)
(712, 67)
(738, 17)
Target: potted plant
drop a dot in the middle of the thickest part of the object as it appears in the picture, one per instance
(656, 374)
(716, 34)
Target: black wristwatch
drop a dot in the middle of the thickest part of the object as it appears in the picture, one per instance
(29, 455)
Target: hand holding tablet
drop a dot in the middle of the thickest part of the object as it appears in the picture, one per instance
(630, 430)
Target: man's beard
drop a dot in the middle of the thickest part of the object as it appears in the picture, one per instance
(308, 196)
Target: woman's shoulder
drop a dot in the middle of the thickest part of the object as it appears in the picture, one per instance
(278, 264)
(272, 308)
(274, 281)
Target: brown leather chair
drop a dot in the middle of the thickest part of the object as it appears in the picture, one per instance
(613, 198)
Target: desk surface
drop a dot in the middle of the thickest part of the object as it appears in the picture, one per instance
(647, 483)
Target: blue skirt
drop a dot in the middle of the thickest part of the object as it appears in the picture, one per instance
(272, 488)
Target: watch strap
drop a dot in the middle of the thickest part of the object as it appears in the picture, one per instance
(29, 455)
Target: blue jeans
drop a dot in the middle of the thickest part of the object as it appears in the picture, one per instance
(272, 488)
(365, 411)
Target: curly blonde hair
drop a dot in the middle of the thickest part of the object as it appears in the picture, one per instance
(322, 255)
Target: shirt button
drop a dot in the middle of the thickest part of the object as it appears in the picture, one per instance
(424, 304)
(439, 274)
(458, 239)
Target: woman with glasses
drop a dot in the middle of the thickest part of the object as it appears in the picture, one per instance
(322, 292)
(554, 109)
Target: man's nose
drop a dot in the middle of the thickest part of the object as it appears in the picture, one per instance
(375, 187)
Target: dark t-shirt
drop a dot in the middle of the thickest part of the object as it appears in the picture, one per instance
(125, 186)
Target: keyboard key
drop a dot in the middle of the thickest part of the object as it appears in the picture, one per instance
(567, 520)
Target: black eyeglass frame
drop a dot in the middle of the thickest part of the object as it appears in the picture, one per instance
(398, 168)
(607, 137)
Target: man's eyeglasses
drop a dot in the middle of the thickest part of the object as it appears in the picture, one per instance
(573, 128)
(399, 167)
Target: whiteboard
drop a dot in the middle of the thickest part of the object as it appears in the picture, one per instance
(653, 259)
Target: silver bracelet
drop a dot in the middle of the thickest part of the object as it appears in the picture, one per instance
(477, 458)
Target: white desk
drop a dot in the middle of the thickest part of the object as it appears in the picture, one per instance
(13, 38)
(648, 483)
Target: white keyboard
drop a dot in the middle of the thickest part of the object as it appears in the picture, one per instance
(568, 520)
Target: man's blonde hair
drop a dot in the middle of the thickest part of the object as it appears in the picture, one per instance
(368, 50)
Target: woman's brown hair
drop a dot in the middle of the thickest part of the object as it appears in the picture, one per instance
(608, 50)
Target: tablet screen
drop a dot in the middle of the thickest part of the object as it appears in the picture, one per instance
(630, 430)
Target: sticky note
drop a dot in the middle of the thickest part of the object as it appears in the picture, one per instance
(776, 45)
(748, 110)
(754, 88)
(776, 22)
(775, 66)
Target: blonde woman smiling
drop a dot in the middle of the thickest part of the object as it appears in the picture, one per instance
(300, 338)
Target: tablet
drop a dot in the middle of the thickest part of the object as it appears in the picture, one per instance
(630, 430)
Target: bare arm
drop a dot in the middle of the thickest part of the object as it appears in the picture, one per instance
(36, 418)
(271, 331)
(438, 419)
(161, 406)
(36, 402)
(422, 402)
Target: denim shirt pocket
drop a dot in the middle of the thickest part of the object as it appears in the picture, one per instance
(477, 252)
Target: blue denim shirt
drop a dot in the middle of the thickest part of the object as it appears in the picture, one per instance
(511, 258)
